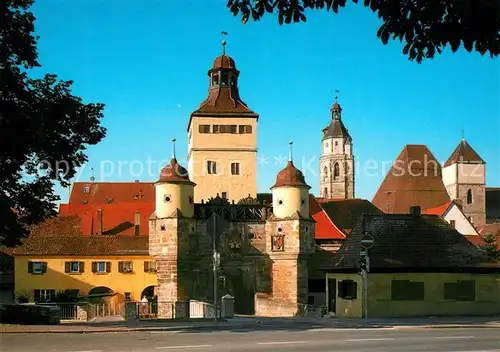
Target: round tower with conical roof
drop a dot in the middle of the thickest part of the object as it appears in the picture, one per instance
(289, 244)
(174, 190)
(290, 192)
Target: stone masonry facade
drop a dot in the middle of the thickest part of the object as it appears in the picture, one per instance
(263, 281)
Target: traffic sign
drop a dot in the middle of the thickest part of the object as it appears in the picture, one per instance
(367, 241)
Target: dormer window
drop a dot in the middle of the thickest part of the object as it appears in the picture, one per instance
(86, 189)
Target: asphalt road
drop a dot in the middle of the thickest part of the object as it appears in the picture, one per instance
(312, 340)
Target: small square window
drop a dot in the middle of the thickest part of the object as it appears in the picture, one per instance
(211, 167)
(101, 267)
(216, 129)
(248, 128)
(37, 267)
(74, 267)
(241, 129)
(233, 129)
(86, 189)
(167, 198)
(224, 195)
(128, 296)
(235, 168)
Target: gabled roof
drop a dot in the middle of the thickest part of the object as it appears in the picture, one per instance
(414, 180)
(464, 154)
(439, 210)
(408, 243)
(114, 192)
(81, 246)
(324, 227)
(344, 213)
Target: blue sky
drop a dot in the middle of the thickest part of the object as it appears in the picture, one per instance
(148, 62)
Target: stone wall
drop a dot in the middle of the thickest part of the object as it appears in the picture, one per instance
(477, 209)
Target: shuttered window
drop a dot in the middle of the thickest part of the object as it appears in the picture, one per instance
(406, 290)
(37, 267)
(460, 291)
(101, 267)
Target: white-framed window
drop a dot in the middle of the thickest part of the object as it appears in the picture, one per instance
(101, 267)
(86, 189)
(125, 267)
(37, 267)
(44, 295)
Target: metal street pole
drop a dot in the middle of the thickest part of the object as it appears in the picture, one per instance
(214, 264)
(366, 284)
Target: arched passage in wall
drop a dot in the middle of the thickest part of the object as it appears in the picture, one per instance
(238, 283)
(149, 292)
(101, 294)
(100, 290)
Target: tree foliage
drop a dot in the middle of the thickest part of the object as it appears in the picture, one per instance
(490, 246)
(425, 26)
(44, 129)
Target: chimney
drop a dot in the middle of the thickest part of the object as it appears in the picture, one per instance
(459, 204)
(99, 222)
(137, 223)
(415, 210)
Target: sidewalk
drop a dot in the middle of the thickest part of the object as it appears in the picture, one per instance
(256, 323)
(128, 326)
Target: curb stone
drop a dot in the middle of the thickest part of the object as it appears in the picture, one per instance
(127, 329)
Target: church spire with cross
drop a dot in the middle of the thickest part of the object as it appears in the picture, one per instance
(337, 159)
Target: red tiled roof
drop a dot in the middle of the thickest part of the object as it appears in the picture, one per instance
(117, 219)
(464, 154)
(493, 228)
(414, 180)
(81, 246)
(69, 225)
(324, 227)
(114, 192)
(440, 210)
(478, 240)
(290, 176)
(344, 213)
(175, 173)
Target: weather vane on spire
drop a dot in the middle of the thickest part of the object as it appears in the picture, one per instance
(173, 148)
(463, 134)
(337, 95)
(290, 151)
(224, 42)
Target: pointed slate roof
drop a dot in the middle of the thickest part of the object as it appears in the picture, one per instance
(408, 243)
(464, 154)
(414, 179)
(335, 129)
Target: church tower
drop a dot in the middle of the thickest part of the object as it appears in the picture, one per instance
(337, 159)
(222, 138)
(464, 176)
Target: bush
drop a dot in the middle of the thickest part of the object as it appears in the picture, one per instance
(28, 314)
